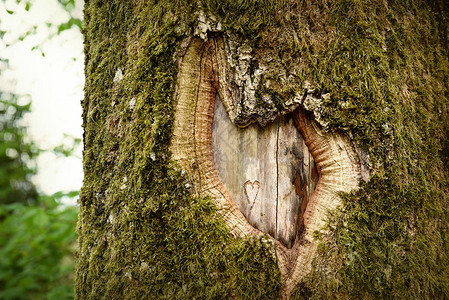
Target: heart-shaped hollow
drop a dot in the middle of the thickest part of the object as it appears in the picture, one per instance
(268, 172)
(203, 72)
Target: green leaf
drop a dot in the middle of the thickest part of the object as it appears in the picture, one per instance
(67, 5)
(69, 24)
(9, 11)
(41, 219)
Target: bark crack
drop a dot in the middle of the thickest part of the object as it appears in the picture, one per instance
(195, 108)
(277, 179)
(308, 192)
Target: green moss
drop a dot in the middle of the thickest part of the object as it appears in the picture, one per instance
(385, 65)
(389, 67)
(142, 233)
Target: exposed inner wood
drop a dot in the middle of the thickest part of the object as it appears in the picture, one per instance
(204, 72)
(268, 172)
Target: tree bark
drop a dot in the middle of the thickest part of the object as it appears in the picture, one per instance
(260, 150)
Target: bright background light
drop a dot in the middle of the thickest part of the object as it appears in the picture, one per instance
(54, 82)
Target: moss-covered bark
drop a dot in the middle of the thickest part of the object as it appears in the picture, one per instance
(379, 71)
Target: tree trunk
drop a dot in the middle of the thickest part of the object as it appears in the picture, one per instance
(264, 149)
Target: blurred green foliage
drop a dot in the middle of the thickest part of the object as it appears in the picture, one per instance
(15, 185)
(36, 253)
(37, 232)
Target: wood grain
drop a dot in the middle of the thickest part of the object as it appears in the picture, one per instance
(262, 170)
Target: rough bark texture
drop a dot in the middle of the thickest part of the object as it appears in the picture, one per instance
(365, 83)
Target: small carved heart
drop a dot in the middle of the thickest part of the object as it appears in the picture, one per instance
(251, 191)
